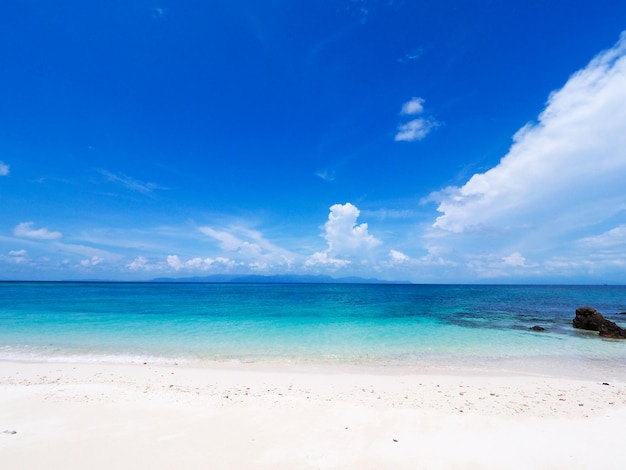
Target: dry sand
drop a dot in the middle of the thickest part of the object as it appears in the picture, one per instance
(78, 416)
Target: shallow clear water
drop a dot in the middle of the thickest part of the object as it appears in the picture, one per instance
(411, 325)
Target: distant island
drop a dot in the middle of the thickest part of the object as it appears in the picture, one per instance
(277, 279)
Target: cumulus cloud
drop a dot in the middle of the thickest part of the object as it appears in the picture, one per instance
(345, 238)
(343, 234)
(26, 230)
(4, 168)
(561, 180)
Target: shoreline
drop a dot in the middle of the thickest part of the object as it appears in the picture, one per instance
(262, 416)
(576, 367)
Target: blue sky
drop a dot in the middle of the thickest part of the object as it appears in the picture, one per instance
(449, 141)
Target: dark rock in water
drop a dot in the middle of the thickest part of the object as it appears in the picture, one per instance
(537, 328)
(588, 318)
(621, 313)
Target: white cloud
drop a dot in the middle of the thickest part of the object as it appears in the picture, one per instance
(414, 130)
(321, 258)
(93, 261)
(223, 261)
(343, 234)
(16, 257)
(570, 165)
(4, 168)
(199, 264)
(158, 13)
(561, 181)
(413, 106)
(614, 238)
(249, 246)
(346, 240)
(130, 183)
(326, 175)
(228, 241)
(398, 257)
(174, 262)
(83, 250)
(514, 259)
(26, 230)
(140, 263)
(412, 55)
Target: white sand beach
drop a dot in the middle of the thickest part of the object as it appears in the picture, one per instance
(164, 416)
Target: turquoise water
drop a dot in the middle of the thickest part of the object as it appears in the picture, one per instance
(409, 325)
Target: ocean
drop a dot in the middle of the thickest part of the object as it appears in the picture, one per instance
(409, 327)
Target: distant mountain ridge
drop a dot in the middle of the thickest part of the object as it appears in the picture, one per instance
(277, 279)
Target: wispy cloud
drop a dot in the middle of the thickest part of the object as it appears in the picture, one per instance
(326, 175)
(389, 214)
(83, 250)
(158, 13)
(130, 183)
(26, 230)
(613, 238)
(412, 55)
(4, 169)
(247, 247)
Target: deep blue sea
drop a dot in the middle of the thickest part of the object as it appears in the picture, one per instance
(417, 326)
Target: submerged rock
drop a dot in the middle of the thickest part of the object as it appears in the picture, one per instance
(537, 328)
(588, 318)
